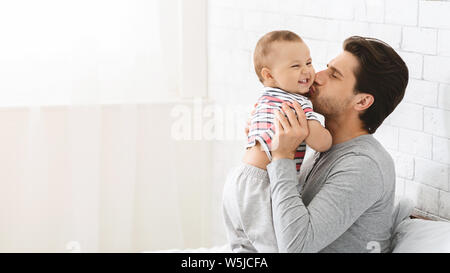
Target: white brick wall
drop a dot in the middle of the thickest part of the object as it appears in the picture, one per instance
(369, 11)
(425, 197)
(444, 204)
(443, 42)
(437, 122)
(417, 134)
(422, 93)
(415, 143)
(434, 14)
(414, 61)
(408, 115)
(404, 166)
(431, 173)
(413, 40)
(441, 150)
(390, 34)
(402, 12)
(444, 96)
(436, 69)
(389, 136)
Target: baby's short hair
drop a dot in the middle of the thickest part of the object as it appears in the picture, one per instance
(263, 47)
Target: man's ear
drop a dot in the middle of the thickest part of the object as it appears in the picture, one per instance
(266, 74)
(363, 101)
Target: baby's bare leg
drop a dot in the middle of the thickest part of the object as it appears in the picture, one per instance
(256, 157)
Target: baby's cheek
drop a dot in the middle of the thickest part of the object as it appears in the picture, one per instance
(313, 75)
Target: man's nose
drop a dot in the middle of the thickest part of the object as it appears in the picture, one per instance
(320, 78)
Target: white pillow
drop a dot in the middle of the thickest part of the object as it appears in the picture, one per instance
(421, 236)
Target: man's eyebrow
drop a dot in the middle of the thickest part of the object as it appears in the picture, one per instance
(335, 70)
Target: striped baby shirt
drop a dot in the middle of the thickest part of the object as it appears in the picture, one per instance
(262, 127)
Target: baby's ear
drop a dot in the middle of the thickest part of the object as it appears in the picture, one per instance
(266, 74)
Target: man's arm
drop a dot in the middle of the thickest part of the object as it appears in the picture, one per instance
(319, 138)
(347, 193)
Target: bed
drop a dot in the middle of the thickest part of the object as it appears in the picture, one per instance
(412, 234)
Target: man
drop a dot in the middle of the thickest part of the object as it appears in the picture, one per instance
(343, 201)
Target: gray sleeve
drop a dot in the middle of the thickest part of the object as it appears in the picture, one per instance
(353, 186)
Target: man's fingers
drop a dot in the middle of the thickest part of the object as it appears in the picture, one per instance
(278, 126)
(282, 120)
(301, 117)
(291, 116)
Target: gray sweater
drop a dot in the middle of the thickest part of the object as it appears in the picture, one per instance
(343, 201)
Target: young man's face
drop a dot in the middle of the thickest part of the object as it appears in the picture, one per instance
(332, 91)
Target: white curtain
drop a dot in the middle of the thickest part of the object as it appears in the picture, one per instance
(63, 52)
(87, 159)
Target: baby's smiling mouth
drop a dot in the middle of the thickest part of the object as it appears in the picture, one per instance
(304, 81)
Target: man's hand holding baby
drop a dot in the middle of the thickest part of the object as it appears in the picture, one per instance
(290, 132)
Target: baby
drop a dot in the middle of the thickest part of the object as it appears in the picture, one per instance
(284, 66)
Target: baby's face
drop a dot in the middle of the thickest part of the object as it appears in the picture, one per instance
(291, 67)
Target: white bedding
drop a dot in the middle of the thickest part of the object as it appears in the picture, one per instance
(410, 235)
(216, 249)
(422, 236)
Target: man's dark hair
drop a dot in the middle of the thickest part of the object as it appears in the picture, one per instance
(381, 73)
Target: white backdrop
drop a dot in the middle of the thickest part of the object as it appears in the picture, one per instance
(88, 161)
